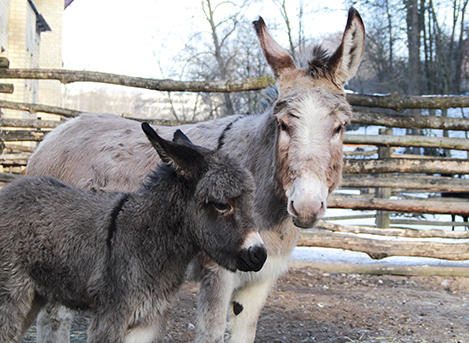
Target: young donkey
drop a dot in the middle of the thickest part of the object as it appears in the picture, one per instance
(122, 256)
(294, 151)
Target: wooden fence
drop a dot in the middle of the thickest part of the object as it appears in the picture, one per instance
(385, 180)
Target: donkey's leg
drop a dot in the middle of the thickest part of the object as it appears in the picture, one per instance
(15, 308)
(53, 324)
(150, 333)
(247, 305)
(216, 289)
(108, 327)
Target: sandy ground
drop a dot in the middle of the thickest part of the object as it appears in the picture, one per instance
(310, 306)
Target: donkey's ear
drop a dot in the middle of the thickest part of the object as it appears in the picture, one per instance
(344, 62)
(184, 158)
(278, 58)
(180, 138)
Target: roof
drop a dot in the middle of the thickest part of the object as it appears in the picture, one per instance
(67, 3)
(41, 23)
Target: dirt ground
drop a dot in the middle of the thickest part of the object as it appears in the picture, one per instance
(310, 306)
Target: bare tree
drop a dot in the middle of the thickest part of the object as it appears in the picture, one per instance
(413, 33)
(229, 51)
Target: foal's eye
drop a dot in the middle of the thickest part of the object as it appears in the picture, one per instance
(222, 208)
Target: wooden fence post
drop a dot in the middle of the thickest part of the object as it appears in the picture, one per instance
(4, 63)
(382, 217)
(5, 87)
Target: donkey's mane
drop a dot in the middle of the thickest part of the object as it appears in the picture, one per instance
(221, 138)
(316, 60)
(154, 177)
(112, 228)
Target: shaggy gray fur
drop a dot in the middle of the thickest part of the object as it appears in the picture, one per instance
(81, 153)
(121, 256)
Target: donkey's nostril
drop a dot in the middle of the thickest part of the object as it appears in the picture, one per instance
(322, 205)
(252, 259)
(293, 209)
(258, 255)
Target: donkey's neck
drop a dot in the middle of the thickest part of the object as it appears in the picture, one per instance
(253, 141)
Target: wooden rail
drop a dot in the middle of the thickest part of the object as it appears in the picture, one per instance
(413, 166)
(413, 182)
(395, 102)
(405, 233)
(410, 121)
(386, 173)
(409, 141)
(167, 85)
(381, 140)
(400, 205)
(402, 121)
(7, 88)
(380, 248)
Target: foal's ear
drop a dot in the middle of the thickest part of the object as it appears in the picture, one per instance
(344, 62)
(278, 58)
(186, 160)
(180, 138)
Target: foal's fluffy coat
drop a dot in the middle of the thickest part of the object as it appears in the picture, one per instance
(122, 256)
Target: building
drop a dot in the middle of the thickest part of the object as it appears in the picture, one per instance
(31, 37)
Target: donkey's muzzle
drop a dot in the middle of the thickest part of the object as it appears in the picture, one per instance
(305, 223)
(252, 259)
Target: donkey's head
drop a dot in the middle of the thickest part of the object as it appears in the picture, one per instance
(221, 204)
(311, 114)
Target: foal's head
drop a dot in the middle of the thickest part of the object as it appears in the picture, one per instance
(311, 114)
(221, 203)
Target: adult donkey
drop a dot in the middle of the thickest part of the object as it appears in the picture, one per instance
(294, 151)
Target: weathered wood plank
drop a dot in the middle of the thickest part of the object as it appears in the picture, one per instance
(4, 62)
(6, 88)
(385, 269)
(420, 182)
(69, 76)
(406, 166)
(399, 205)
(5, 177)
(70, 113)
(384, 101)
(411, 121)
(382, 140)
(35, 108)
(21, 135)
(381, 248)
(29, 123)
(17, 148)
(426, 222)
(409, 233)
(400, 102)
(9, 160)
(408, 141)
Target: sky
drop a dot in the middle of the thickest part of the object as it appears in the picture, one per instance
(143, 37)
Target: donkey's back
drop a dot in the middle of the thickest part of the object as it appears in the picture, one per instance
(108, 152)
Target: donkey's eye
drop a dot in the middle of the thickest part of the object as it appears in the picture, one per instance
(283, 126)
(222, 208)
(339, 129)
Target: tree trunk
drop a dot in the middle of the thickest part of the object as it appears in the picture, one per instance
(222, 67)
(413, 66)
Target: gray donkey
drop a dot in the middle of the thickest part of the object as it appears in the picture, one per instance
(122, 256)
(293, 149)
